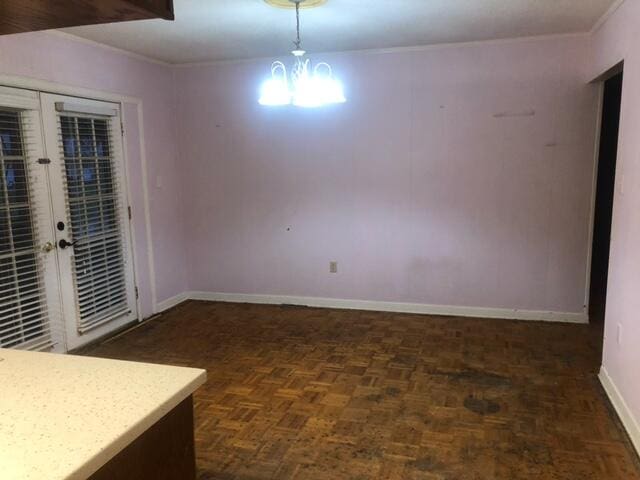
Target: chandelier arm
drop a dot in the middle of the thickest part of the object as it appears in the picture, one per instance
(279, 66)
(323, 64)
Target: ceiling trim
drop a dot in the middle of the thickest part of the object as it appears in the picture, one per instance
(381, 51)
(121, 51)
(605, 16)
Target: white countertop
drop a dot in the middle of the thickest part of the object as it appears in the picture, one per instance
(65, 416)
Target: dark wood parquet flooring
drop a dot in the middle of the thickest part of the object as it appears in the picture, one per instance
(305, 393)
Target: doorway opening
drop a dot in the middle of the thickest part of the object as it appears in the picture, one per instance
(605, 189)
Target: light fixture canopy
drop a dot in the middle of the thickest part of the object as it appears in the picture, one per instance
(308, 86)
(291, 4)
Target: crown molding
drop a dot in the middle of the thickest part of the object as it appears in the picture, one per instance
(104, 46)
(384, 51)
(605, 16)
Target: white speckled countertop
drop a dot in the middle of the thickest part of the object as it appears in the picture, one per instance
(64, 416)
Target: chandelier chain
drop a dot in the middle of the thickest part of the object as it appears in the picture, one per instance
(297, 42)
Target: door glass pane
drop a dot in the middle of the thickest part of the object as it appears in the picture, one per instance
(93, 208)
(22, 302)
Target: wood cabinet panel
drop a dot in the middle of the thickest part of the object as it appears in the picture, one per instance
(164, 452)
(30, 15)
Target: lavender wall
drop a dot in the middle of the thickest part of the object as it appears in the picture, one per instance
(618, 40)
(70, 62)
(414, 186)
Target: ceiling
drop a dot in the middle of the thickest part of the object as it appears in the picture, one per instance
(212, 30)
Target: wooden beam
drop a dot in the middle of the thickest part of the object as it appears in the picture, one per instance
(30, 15)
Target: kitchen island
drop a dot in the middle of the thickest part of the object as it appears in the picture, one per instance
(67, 417)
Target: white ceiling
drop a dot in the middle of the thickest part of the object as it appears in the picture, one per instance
(210, 30)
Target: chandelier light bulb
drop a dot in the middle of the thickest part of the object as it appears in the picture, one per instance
(329, 89)
(275, 91)
(306, 93)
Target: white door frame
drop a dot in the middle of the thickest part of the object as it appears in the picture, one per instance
(46, 86)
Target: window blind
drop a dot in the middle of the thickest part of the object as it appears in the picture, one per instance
(25, 320)
(92, 179)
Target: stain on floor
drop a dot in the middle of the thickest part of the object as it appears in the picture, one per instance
(481, 406)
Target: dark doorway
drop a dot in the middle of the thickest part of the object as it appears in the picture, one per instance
(605, 188)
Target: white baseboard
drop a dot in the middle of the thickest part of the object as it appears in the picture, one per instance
(398, 307)
(171, 302)
(627, 418)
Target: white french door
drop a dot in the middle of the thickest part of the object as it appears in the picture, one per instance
(80, 234)
(83, 140)
(29, 295)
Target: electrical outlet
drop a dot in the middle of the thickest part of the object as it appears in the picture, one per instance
(333, 267)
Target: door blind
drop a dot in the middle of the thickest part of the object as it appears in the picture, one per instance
(92, 180)
(24, 314)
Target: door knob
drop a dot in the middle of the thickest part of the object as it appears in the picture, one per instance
(65, 244)
(47, 247)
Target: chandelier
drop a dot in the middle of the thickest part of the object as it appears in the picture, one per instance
(307, 85)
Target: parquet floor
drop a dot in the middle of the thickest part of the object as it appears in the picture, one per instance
(309, 393)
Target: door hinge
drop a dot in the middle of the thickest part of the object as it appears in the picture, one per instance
(44, 161)
(129, 211)
(137, 293)
(122, 128)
